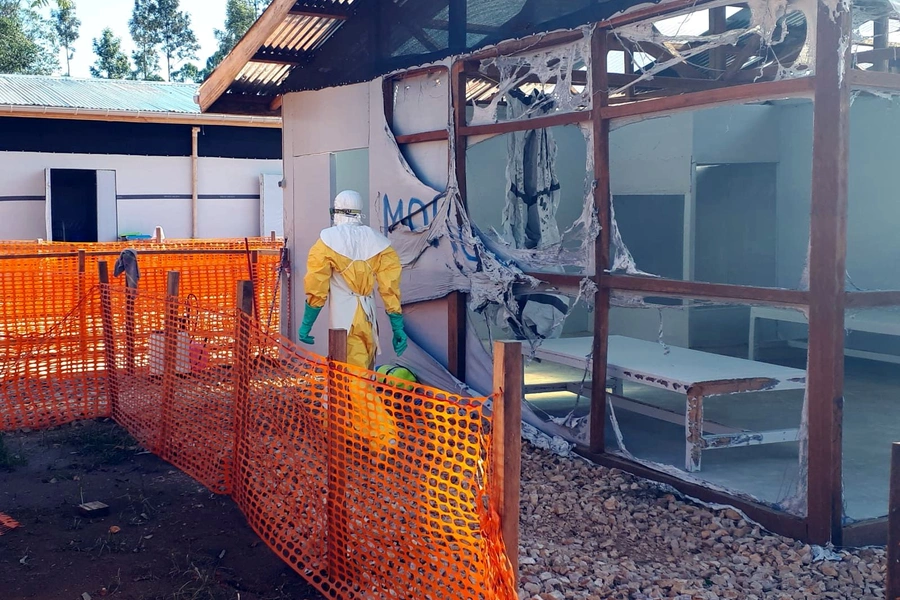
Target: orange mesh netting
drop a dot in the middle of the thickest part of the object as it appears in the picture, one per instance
(367, 487)
(49, 308)
(7, 523)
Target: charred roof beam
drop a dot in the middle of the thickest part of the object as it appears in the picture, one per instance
(326, 10)
(279, 57)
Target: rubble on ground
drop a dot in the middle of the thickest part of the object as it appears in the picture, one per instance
(588, 532)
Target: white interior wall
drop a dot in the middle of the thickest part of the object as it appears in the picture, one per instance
(794, 191)
(142, 184)
(873, 246)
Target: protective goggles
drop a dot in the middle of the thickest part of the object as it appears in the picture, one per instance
(345, 211)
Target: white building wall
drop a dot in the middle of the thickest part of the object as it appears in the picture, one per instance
(152, 191)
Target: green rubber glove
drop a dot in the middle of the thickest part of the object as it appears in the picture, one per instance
(310, 314)
(399, 340)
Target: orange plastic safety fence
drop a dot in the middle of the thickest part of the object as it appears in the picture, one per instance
(7, 523)
(367, 486)
(51, 346)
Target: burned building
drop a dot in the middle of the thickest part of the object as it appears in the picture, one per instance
(683, 208)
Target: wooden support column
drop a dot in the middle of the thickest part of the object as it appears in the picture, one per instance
(717, 56)
(601, 248)
(457, 25)
(893, 542)
(335, 535)
(507, 443)
(170, 358)
(880, 41)
(828, 246)
(456, 301)
(109, 337)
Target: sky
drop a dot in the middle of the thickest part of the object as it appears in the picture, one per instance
(96, 15)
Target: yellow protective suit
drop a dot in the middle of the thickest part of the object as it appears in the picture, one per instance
(324, 265)
(361, 276)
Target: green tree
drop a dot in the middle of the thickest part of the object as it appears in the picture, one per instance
(239, 16)
(176, 36)
(258, 6)
(27, 40)
(111, 62)
(188, 73)
(145, 31)
(66, 25)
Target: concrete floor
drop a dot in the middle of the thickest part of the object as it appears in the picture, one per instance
(771, 472)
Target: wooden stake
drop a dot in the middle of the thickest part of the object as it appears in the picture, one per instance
(507, 443)
(82, 319)
(109, 336)
(242, 350)
(254, 278)
(893, 546)
(336, 540)
(130, 298)
(170, 358)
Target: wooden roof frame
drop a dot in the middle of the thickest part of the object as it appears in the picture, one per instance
(255, 38)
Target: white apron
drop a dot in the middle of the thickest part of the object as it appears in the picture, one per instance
(358, 243)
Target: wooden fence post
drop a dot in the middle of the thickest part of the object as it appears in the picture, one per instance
(109, 337)
(81, 303)
(893, 547)
(254, 277)
(130, 297)
(241, 369)
(337, 545)
(507, 444)
(170, 357)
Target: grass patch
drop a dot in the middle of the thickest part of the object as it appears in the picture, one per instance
(9, 460)
(100, 444)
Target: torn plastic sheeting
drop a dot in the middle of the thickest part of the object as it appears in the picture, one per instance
(416, 218)
(555, 252)
(532, 186)
(766, 20)
(623, 261)
(550, 70)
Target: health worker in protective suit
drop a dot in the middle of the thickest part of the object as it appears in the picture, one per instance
(343, 267)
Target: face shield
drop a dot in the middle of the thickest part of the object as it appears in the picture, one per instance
(347, 208)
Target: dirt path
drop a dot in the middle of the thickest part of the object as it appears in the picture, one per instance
(175, 540)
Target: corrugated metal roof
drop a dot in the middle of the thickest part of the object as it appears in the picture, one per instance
(98, 94)
(296, 36)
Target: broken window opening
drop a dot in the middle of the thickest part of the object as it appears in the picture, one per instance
(685, 398)
(875, 36)
(704, 49)
(872, 243)
(550, 81)
(530, 196)
(871, 420)
(718, 195)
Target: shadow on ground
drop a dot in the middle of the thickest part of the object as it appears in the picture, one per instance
(166, 537)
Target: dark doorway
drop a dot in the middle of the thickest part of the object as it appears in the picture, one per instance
(74, 205)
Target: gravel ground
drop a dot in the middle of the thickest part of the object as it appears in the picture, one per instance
(601, 534)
